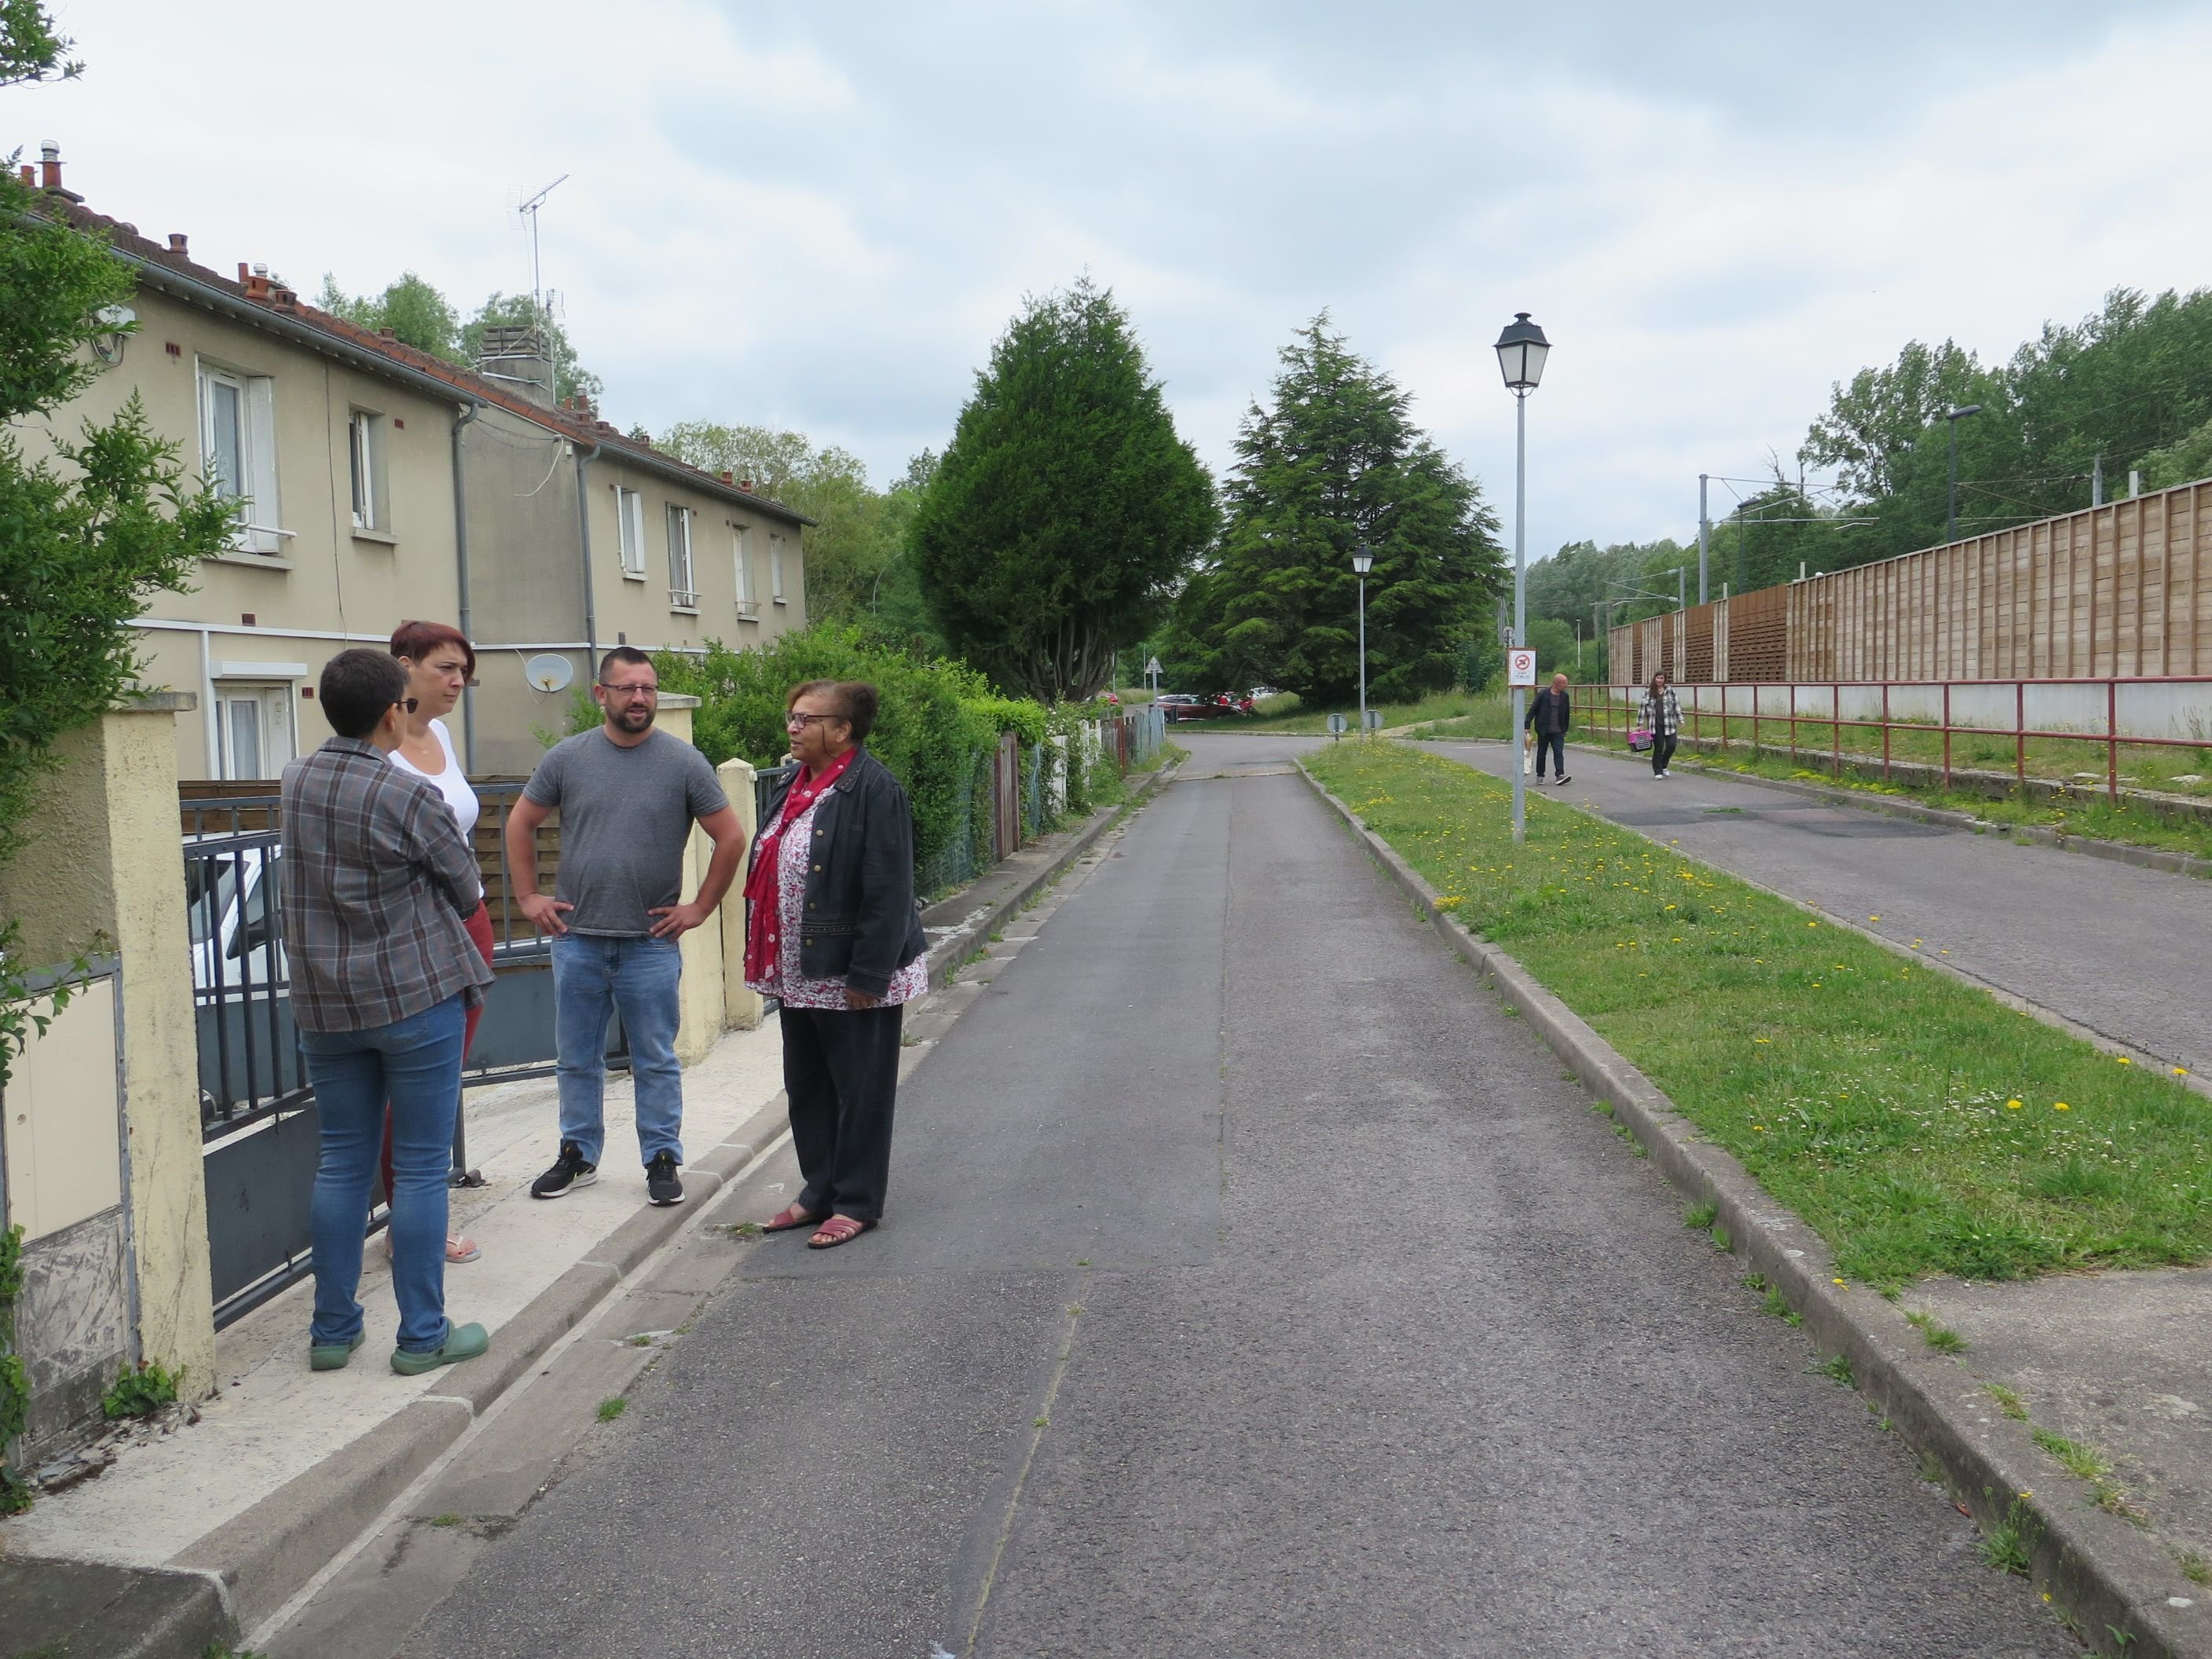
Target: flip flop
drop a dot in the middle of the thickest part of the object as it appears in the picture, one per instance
(786, 1218)
(838, 1230)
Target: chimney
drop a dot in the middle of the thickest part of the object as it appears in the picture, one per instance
(50, 165)
(30, 175)
(514, 355)
(177, 245)
(746, 485)
(256, 283)
(728, 478)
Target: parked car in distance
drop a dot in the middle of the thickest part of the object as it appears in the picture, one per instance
(1182, 706)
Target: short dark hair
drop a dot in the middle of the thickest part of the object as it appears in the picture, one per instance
(417, 639)
(628, 655)
(855, 702)
(357, 686)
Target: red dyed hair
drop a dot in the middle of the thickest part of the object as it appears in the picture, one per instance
(417, 639)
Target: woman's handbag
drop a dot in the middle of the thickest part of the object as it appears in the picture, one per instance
(1639, 739)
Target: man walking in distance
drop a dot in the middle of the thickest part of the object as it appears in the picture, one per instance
(376, 880)
(628, 796)
(1550, 713)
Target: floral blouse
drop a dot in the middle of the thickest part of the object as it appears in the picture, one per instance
(789, 986)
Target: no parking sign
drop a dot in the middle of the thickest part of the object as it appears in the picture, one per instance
(1521, 667)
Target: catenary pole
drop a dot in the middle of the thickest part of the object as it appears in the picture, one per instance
(1704, 535)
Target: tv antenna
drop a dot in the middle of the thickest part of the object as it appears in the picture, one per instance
(538, 311)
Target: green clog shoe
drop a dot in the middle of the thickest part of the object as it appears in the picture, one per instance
(332, 1356)
(462, 1342)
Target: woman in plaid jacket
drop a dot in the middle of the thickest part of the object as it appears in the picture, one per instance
(1661, 713)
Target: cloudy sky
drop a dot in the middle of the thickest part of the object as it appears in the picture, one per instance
(820, 215)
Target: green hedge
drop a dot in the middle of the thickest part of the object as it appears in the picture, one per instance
(935, 716)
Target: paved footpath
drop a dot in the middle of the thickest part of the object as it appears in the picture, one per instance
(2120, 950)
(1254, 1285)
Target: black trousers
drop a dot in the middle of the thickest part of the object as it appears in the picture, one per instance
(1557, 743)
(841, 1075)
(1662, 749)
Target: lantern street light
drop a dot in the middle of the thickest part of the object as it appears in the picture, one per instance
(1951, 524)
(1363, 561)
(1522, 349)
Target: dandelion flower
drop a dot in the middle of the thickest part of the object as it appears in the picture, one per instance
(2012, 1105)
(2124, 1060)
(2181, 1070)
(2060, 1106)
(1835, 1281)
(1874, 918)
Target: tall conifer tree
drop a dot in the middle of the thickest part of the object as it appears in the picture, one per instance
(1065, 508)
(1336, 461)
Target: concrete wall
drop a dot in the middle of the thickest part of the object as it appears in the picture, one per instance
(102, 873)
(741, 1010)
(330, 585)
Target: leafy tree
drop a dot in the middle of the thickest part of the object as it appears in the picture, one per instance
(1335, 461)
(1065, 508)
(416, 314)
(570, 378)
(2183, 461)
(30, 51)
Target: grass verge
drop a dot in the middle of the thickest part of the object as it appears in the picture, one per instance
(1285, 712)
(1917, 1124)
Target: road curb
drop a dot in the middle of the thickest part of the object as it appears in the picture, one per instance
(952, 949)
(2107, 1577)
(264, 1556)
(2144, 858)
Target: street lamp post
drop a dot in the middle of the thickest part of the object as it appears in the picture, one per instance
(1951, 525)
(1363, 561)
(1522, 349)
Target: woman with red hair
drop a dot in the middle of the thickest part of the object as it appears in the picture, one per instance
(440, 663)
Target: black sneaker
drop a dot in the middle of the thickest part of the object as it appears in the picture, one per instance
(1563, 782)
(569, 1171)
(661, 1185)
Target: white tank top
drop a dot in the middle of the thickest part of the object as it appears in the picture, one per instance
(451, 783)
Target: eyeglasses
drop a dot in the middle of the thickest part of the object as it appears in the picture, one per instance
(410, 704)
(637, 690)
(797, 722)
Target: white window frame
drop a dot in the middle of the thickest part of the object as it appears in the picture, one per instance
(682, 595)
(775, 569)
(275, 727)
(260, 522)
(748, 606)
(630, 517)
(365, 433)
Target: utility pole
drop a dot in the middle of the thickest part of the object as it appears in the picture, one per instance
(1705, 537)
(2096, 482)
(1951, 527)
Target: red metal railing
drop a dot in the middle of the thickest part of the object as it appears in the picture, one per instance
(1616, 714)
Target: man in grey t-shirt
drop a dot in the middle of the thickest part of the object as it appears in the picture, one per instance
(628, 796)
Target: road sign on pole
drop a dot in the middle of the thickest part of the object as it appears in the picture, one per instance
(1153, 666)
(1521, 667)
(1336, 724)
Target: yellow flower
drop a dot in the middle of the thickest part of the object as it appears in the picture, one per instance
(2060, 1106)
(1762, 1039)
(2012, 1105)
(1836, 1281)
(2181, 1070)
(1874, 918)
(2124, 1060)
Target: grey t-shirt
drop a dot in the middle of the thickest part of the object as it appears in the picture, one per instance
(626, 817)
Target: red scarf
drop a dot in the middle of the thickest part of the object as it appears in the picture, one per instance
(763, 885)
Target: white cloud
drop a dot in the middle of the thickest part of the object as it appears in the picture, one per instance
(822, 216)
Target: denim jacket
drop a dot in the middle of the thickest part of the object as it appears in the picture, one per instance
(862, 921)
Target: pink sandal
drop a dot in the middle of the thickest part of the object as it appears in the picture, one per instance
(838, 1230)
(789, 1217)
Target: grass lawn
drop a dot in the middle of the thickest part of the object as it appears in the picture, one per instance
(1286, 712)
(1919, 1125)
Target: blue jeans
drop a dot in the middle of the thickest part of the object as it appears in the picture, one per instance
(415, 1064)
(597, 975)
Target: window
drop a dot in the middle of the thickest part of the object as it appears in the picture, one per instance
(681, 593)
(365, 455)
(238, 451)
(630, 514)
(748, 606)
(253, 724)
(775, 569)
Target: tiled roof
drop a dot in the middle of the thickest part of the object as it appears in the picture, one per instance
(249, 290)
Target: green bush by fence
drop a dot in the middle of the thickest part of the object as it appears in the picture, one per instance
(936, 722)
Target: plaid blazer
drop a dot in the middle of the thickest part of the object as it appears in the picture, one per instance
(376, 880)
(1663, 714)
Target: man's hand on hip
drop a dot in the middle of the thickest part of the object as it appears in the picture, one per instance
(545, 912)
(674, 920)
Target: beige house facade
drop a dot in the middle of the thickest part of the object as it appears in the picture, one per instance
(379, 484)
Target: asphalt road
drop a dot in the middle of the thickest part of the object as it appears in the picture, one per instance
(1252, 1284)
(2120, 950)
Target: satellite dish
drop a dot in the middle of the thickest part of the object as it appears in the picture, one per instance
(549, 673)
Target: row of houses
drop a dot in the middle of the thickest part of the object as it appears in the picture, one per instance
(377, 484)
